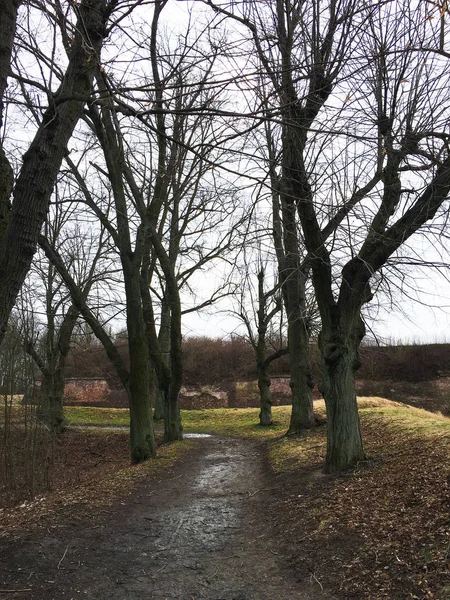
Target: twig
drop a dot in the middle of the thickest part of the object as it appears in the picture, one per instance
(250, 495)
(63, 556)
(273, 551)
(314, 575)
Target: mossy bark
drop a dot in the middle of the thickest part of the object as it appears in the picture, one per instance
(158, 412)
(294, 282)
(173, 429)
(301, 383)
(50, 409)
(340, 362)
(142, 439)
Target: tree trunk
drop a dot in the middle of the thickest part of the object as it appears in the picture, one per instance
(142, 437)
(8, 11)
(173, 429)
(42, 161)
(340, 362)
(293, 280)
(164, 342)
(265, 414)
(302, 383)
(158, 413)
(50, 409)
(172, 420)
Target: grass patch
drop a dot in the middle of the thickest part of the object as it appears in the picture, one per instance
(403, 421)
(90, 415)
(242, 422)
(293, 453)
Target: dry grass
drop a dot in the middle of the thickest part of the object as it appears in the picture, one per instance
(91, 473)
(382, 530)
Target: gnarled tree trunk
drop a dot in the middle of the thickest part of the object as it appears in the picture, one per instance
(340, 362)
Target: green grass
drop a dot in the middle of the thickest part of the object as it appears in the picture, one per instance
(241, 422)
(90, 415)
(285, 453)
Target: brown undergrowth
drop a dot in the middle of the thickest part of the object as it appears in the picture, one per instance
(89, 472)
(382, 530)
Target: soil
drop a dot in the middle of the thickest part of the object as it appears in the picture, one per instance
(207, 528)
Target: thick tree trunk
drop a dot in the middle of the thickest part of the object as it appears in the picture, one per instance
(293, 280)
(8, 12)
(141, 425)
(172, 420)
(50, 409)
(302, 383)
(158, 412)
(142, 437)
(340, 362)
(265, 414)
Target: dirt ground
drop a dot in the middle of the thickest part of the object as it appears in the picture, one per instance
(205, 529)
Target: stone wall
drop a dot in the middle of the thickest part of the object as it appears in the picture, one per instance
(86, 392)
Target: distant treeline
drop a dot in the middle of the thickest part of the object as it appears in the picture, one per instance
(215, 362)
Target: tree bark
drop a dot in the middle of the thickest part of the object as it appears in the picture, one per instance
(293, 280)
(173, 429)
(302, 382)
(8, 12)
(265, 414)
(42, 161)
(141, 424)
(50, 409)
(164, 341)
(340, 362)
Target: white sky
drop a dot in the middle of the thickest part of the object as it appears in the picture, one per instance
(426, 325)
(428, 318)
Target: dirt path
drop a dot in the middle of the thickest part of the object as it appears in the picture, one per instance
(202, 532)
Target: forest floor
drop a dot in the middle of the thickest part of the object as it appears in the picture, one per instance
(243, 515)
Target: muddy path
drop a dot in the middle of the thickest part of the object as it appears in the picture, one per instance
(202, 531)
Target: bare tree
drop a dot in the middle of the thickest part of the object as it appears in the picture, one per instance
(258, 318)
(84, 254)
(345, 75)
(165, 194)
(83, 28)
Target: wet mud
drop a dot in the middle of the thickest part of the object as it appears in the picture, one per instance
(203, 532)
